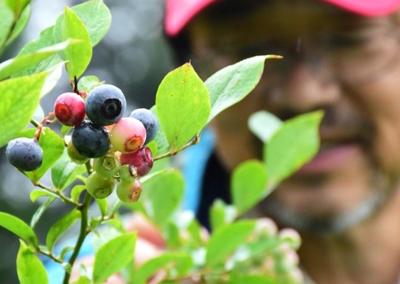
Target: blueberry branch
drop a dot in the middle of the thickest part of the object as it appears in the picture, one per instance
(194, 141)
(82, 234)
(56, 192)
(50, 255)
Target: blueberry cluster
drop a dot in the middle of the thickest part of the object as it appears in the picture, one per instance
(117, 144)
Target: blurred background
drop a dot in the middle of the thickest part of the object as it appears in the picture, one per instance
(133, 55)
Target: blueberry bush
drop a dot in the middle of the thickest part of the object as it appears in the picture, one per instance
(101, 148)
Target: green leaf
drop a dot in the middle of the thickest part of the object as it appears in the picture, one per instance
(249, 185)
(29, 268)
(60, 227)
(160, 139)
(53, 75)
(183, 105)
(103, 206)
(162, 195)
(20, 25)
(225, 241)
(52, 146)
(19, 63)
(252, 279)
(293, 145)
(233, 83)
(19, 99)
(221, 214)
(64, 130)
(182, 262)
(7, 18)
(113, 256)
(17, 6)
(264, 124)
(153, 147)
(76, 191)
(64, 172)
(64, 252)
(39, 212)
(39, 193)
(77, 55)
(87, 83)
(45, 40)
(82, 280)
(18, 227)
(95, 16)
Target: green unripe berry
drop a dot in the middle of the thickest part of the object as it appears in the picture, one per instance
(75, 156)
(107, 166)
(291, 237)
(127, 173)
(129, 191)
(99, 187)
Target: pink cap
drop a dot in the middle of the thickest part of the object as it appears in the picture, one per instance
(180, 12)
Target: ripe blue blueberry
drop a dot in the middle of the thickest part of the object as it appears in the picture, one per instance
(149, 120)
(90, 140)
(24, 154)
(105, 105)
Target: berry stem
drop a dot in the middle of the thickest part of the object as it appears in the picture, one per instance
(82, 234)
(75, 85)
(56, 192)
(40, 126)
(194, 141)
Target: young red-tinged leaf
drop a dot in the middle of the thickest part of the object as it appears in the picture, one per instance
(77, 55)
(29, 268)
(18, 227)
(183, 105)
(52, 146)
(113, 256)
(19, 99)
(294, 144)
(233, 83)
(60, 226)
(249, 185)
(226, 240)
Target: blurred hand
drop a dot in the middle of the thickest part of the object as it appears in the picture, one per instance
(149, 244)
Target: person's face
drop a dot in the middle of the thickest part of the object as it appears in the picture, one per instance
(349, 66)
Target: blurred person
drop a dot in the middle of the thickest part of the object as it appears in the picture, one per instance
(339, 56)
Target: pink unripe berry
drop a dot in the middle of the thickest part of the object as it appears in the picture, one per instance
(142, 160)
(129, 191)
(291, 237)
(69, 109)
(128, 135)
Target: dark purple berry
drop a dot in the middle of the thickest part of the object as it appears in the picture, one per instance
(105, 105)
(149, 120)
(90, 140)
(69, 109)
(142, 160)
(24, 154)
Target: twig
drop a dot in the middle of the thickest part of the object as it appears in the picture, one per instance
(194, 141)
